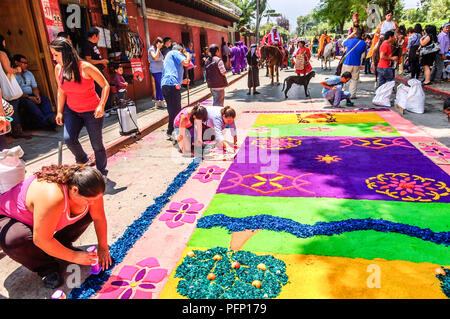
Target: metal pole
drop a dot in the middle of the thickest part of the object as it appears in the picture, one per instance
(147, 31)
(257, 22)
(60, 147)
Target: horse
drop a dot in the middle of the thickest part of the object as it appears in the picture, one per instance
(328, 52)
(275, 57)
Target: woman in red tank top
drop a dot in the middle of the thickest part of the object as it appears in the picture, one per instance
(78, 104)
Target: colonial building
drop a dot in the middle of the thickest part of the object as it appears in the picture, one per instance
(30, 25)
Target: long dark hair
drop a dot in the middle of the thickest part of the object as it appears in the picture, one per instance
(70, 57)
(431, 31)
(88, 180)
(2, 47)
(199, 112)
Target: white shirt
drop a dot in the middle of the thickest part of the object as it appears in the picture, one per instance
(387, 26)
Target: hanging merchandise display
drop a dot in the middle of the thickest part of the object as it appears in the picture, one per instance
(121, 11)
(137, 70)
(135, 46)
(52, 18)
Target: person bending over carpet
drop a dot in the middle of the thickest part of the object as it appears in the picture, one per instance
(43, 215)
(188, 128)
(333, 92)
(218, 119)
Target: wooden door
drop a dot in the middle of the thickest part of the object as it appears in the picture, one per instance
(18, 28)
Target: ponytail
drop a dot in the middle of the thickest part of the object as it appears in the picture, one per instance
(88, 180)
(228, 111)
(199, 112)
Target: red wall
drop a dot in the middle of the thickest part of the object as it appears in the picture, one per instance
(137, 90)
(173, 30)
(175, 8)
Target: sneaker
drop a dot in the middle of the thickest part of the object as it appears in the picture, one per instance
(105, 179)
(349, 104)
(113, 111)
(169, 137)
(106, 114)
(52, 280)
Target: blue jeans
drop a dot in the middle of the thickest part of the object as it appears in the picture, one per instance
(73, 123)
(385, 75)
(36, 115)
(159, 94)
(218, 97)
(336, 96)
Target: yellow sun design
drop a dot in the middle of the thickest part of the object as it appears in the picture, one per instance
(328, 159)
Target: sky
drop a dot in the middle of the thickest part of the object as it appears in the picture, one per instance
(295, 8)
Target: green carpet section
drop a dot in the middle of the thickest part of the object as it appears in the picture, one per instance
(310, 210)
(359, 244)
(344, 129)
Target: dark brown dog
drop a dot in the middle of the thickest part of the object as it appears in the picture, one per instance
(300, 80)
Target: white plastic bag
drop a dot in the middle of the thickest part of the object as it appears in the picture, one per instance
(383, 94)
(416, 97)
(402, 95)
(11, 89)
(12, 168)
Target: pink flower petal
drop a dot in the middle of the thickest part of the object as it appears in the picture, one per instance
(150, 262)
(188, 219)
(189, 201)
(196, 207)
(171, 224)
(166, 216)
(127, 273)
(155, 276)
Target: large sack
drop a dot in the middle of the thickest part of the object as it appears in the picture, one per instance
(383, 94)
(12, 168)
(416, 97)
(402, 95)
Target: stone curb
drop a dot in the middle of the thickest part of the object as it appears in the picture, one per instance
(426, 88)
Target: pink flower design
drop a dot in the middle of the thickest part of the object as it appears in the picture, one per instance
(180, 213)
(209, 174)
(437, 151)
(261, 130)
(382, 128)
(135, 282)
(319, 128)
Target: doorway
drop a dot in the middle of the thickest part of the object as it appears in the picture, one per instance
(185, 38)
(18, 27)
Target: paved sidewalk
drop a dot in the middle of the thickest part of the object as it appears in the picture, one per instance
(442, 88)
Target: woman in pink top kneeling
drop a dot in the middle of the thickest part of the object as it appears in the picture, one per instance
(42, 216)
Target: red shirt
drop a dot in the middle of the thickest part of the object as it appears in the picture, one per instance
(386, 48)
(80, 97)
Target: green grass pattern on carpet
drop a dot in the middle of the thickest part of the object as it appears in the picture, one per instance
(359, 244)
(348, 129)
(310, 210)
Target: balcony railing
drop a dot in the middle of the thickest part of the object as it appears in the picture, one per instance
(229, 6)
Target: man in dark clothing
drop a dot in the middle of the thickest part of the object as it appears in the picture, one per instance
(92, 55)
(167, 46)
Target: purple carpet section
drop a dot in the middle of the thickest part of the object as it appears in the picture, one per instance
(339, 167)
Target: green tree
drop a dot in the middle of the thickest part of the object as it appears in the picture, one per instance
(335, 13)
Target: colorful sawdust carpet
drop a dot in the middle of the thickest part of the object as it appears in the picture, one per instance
(314, 205)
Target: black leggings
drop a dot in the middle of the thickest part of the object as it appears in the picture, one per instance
(16, 240)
